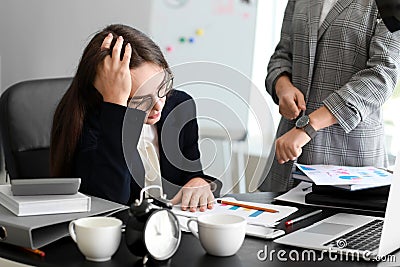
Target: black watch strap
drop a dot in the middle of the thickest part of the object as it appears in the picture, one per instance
(310, 131)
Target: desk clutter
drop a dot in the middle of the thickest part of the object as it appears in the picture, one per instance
(35, 216)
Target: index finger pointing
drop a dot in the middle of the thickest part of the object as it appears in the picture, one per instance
(107, 42)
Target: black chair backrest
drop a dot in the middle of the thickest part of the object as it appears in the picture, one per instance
(26, 117)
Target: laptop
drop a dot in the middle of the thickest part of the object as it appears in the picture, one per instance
(352, 233)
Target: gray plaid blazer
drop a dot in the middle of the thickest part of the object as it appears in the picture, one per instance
(350, 64)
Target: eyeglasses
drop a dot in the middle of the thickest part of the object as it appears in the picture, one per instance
(146, 102)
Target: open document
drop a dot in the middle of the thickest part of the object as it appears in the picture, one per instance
(253, 217)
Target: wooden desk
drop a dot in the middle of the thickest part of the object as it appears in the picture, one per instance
(190, 253)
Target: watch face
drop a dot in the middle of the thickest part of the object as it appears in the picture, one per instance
(302, 121)
(162, 234)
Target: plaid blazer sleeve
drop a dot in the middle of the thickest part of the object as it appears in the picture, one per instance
(368, 89)
(281, 60)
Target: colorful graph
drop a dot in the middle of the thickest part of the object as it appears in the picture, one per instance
(251, 213)
(306, 168)
(342, 175)
(350, 177)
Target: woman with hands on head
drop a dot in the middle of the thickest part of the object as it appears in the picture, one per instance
(121, 65)
(334, 67)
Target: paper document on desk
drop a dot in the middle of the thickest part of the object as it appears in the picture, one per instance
(254, 217)
(344, 175)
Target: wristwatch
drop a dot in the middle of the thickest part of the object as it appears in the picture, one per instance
(304, 123)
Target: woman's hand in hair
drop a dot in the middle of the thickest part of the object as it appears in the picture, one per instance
(113, 77)
(195, 193)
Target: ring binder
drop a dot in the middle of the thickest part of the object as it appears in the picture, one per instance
(37, 231)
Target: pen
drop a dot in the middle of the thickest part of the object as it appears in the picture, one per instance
(303, 217)
(246, 206)
(36, 251)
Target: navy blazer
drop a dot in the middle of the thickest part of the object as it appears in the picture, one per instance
(100, 162)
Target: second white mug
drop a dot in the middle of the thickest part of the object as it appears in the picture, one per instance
(219, 234)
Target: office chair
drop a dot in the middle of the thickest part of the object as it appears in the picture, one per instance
(26, 115)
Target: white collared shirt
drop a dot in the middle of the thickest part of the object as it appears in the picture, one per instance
(150, 135)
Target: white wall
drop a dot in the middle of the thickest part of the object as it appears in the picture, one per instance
(45, 38)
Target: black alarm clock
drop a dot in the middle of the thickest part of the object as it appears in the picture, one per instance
(152, 230)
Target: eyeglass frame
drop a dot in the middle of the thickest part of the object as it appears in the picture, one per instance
(167, 82)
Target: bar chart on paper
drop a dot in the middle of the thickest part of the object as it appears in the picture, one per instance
(253, 216)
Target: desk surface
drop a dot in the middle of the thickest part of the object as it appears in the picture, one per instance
(190, 253)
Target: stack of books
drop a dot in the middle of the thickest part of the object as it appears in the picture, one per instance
(26, 205)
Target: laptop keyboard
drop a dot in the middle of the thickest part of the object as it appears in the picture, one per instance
(366, 237)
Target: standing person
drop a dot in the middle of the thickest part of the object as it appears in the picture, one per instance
(121, 65)
(335, 66)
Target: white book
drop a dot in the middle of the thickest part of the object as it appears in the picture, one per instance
(43, 204)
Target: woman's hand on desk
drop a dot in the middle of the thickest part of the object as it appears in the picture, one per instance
(195, 193)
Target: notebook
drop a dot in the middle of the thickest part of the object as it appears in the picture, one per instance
(43, 204)
(353, 234)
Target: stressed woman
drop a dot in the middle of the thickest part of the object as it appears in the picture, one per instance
(123, 71)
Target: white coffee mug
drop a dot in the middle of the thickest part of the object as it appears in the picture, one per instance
(219, 234)
(98, 238)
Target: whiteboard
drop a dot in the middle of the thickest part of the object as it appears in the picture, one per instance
(220, 32)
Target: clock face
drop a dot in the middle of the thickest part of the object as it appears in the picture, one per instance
(162, 234)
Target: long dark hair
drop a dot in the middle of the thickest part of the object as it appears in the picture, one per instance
(81, 96)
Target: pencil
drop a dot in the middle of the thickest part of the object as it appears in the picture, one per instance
(246, 206)
(36, 251)
(290, 222)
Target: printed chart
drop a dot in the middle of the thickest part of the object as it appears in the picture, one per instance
(253, 216)
(343, 175)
